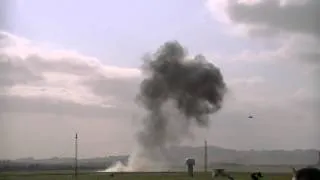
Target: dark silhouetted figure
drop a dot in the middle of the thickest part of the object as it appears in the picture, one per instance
(190, 163)
(308, 173)
(256, 176)
(221, 173)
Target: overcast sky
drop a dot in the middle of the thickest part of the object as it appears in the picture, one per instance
(71, 66)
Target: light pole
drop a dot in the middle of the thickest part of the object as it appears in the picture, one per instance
(76, 158)
(205, 156)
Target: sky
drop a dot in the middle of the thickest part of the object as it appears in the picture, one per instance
(71, 66)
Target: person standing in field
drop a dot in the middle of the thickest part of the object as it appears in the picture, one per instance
(308, 173)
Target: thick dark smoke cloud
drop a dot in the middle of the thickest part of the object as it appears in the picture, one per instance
(194, 87)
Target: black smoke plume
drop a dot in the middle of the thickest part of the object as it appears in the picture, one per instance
(194, 86)
(177, 92)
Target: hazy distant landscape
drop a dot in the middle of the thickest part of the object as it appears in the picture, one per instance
(275, 160)
(113, 89)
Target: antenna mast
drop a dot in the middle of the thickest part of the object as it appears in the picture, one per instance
(76, 158)
(205, 156)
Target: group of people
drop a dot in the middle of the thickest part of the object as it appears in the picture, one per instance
(308, 173)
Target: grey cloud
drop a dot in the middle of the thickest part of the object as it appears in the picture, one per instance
(16, 104)
(28, 70)
(301, 18)
(307, 101)
(11, 73)
(64, 64)
(126, 88)
(310, 57)
(295, 25)
(25, 72)
(263, 32)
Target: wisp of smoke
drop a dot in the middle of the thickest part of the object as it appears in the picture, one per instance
(193, 88)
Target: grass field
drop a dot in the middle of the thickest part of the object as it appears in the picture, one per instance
(130, 176)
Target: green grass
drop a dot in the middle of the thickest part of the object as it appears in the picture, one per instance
(128, 176)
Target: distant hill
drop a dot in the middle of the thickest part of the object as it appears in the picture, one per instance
(176, 155)
(252, 157)
(69, 160)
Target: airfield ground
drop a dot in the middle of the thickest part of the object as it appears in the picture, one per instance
(129, 176)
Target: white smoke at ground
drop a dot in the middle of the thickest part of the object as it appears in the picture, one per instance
(177, 94)
(138, 161)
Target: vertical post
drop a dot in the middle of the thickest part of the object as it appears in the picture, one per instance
(318, 163)
(205, 156)
(76, 158)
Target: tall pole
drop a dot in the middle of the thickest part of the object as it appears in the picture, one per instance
(318, 163)
(205, 156)
(76, 158)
